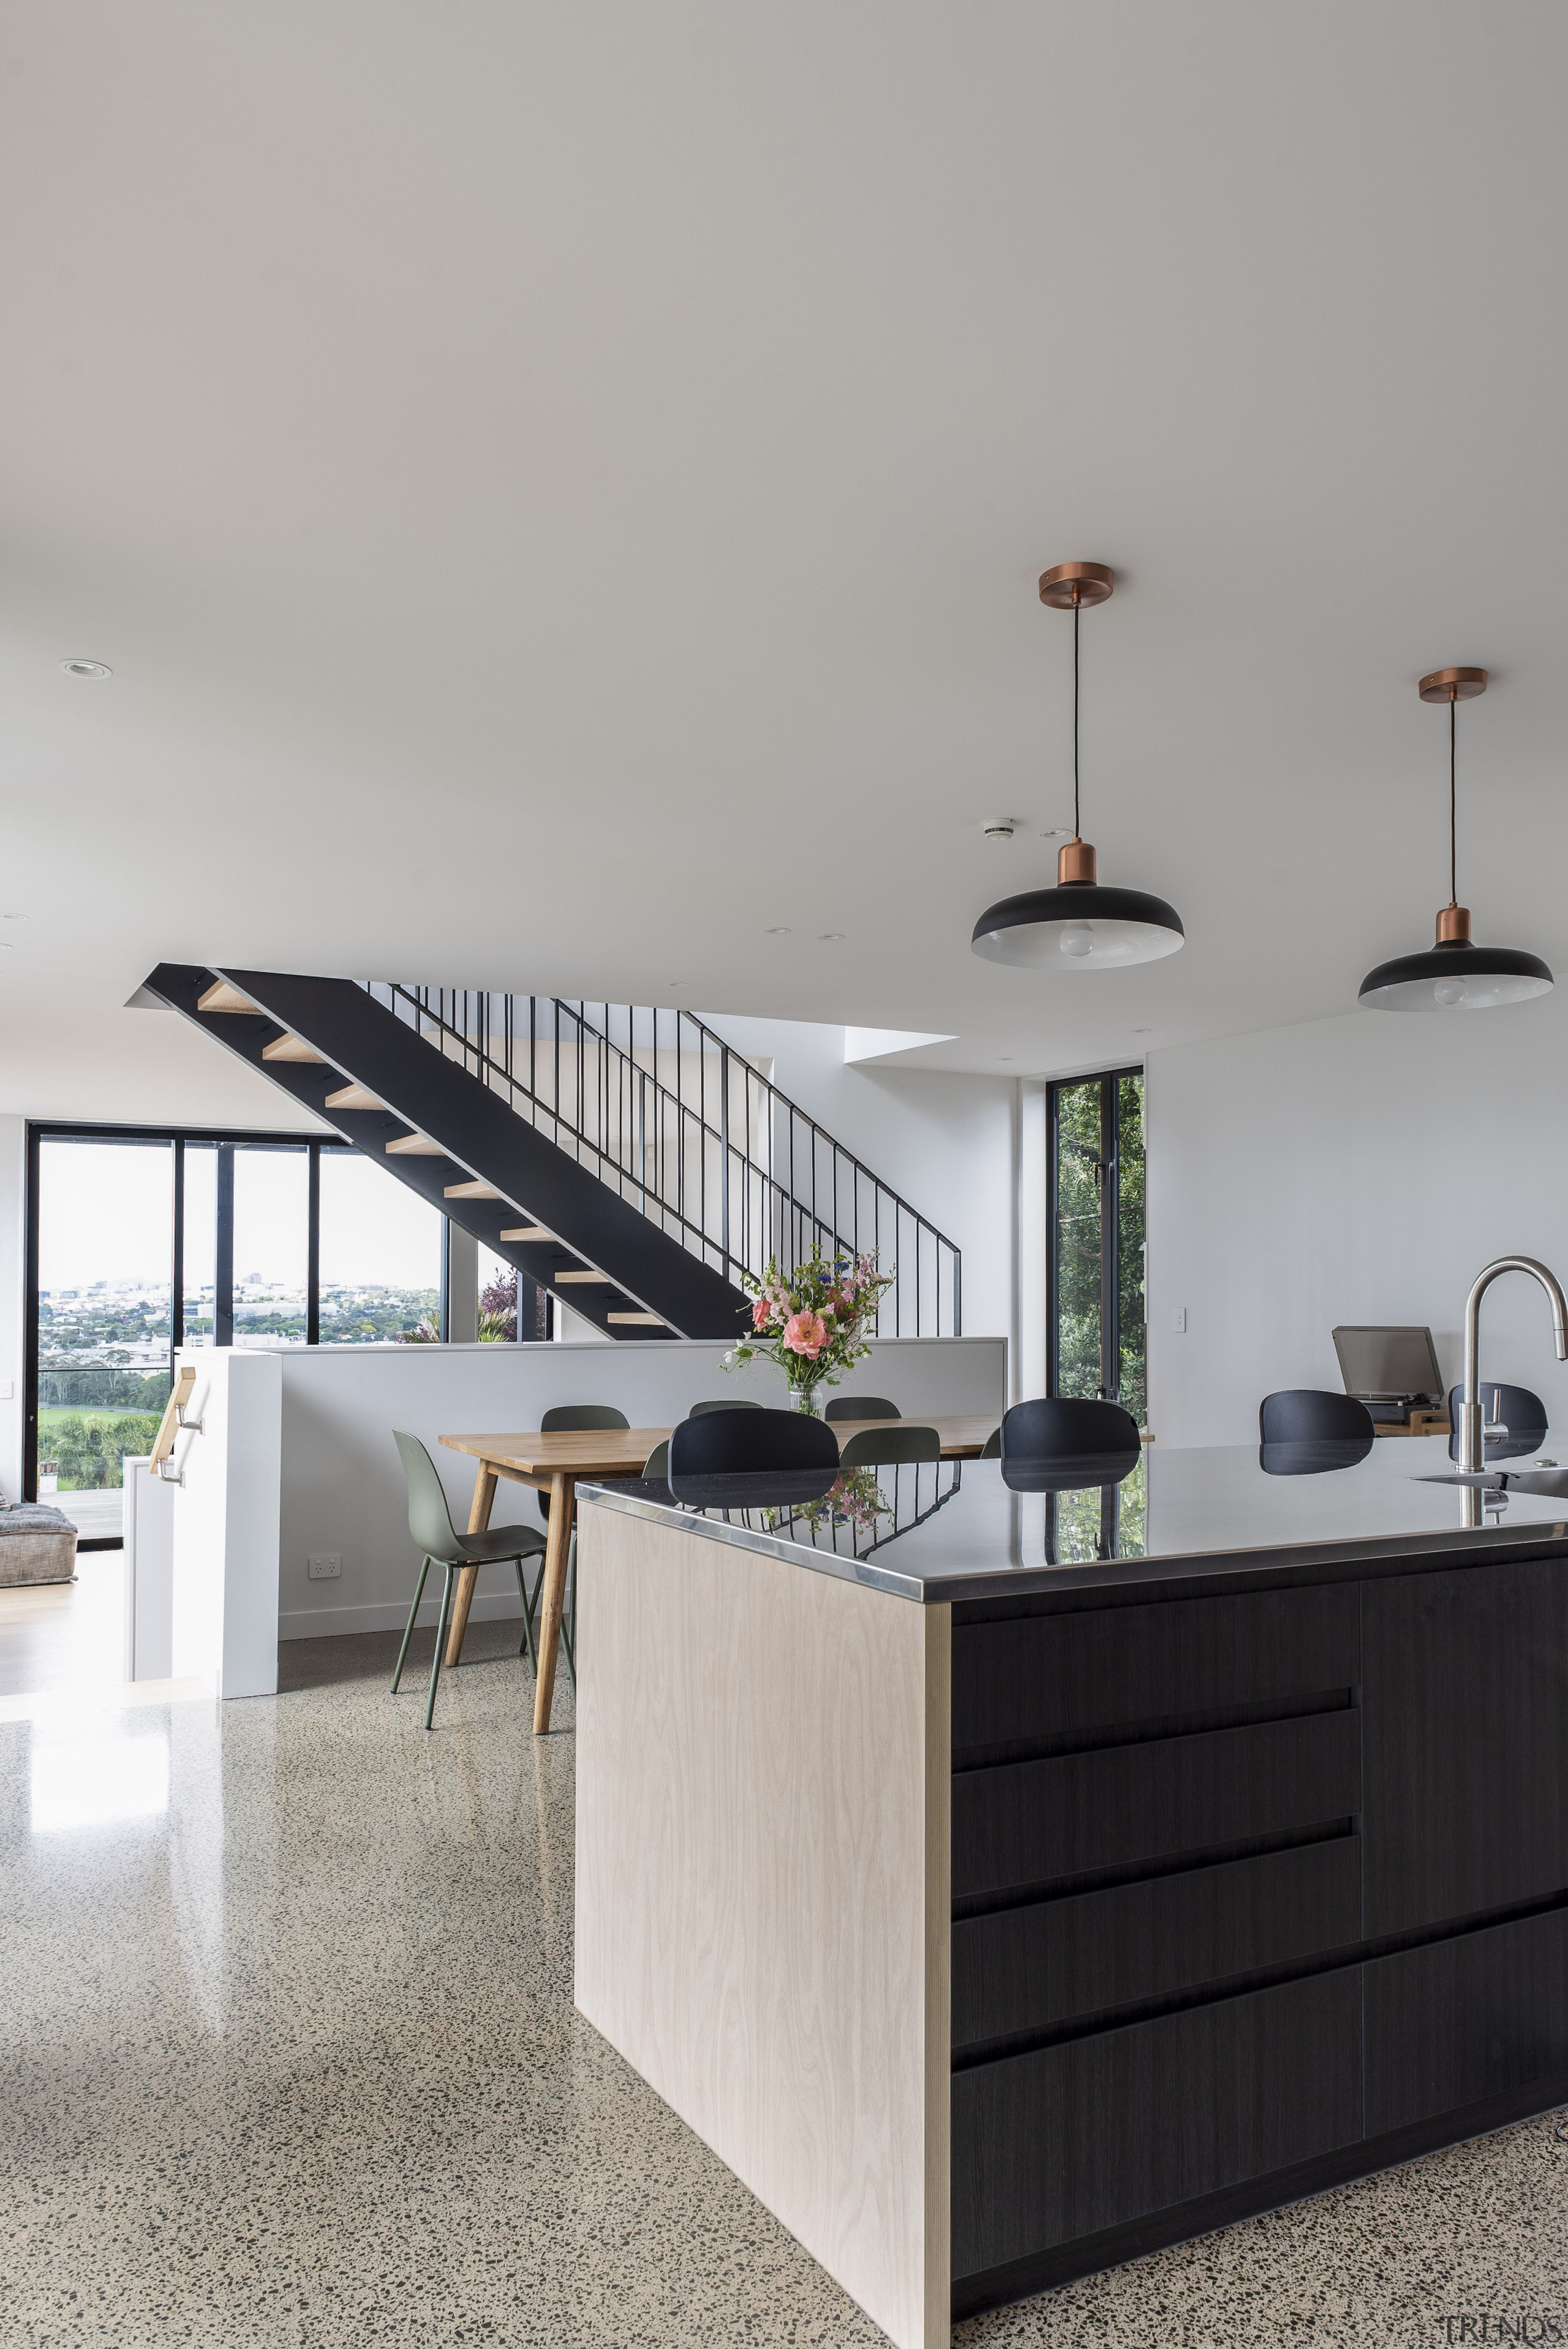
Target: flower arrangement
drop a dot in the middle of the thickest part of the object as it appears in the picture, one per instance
(813, 1323)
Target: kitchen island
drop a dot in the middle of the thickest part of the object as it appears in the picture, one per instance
(1006, 1883)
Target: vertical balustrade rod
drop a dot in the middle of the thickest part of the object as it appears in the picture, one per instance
(724, 1152)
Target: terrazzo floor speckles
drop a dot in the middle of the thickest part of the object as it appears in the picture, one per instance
(290, 2060)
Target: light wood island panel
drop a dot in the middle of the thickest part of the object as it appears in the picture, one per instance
(763, 1804)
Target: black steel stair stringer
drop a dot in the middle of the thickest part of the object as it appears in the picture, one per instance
(482, 1138)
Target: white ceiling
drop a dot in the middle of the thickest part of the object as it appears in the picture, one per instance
(560, 489)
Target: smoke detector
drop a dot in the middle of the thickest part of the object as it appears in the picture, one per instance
(999, 827)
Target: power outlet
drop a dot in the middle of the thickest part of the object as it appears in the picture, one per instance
(1178, 1316)
(322, 1569)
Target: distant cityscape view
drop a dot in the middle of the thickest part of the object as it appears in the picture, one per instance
(103, 1357)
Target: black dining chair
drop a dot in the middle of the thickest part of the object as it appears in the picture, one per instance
(1053, 1425)
(430, 1523)
(743, 1442)
(1061, 1443)
(723, 1402)
(891, 1446)
(1313, 1416)
(1523, 1415)
(863, 1407)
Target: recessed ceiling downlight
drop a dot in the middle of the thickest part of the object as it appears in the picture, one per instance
(86, 668)
(1076, 926)
(1455, 975)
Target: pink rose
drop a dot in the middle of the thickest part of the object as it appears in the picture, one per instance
(761, 1312)
(806, 1333)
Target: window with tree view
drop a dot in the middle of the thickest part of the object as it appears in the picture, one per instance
(1098, 1339)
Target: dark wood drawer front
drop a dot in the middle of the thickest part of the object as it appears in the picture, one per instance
(1482, 2015)
(1028, 1822)
(1053, 1674)
(1022, 1969)
(1466, 1741)
(1050, 2147)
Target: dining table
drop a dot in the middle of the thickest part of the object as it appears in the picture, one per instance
(553, 1463)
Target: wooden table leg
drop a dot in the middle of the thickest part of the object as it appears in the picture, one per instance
(463, 1597)
(562, 1493)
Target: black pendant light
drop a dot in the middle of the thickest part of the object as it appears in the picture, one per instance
(1077, 925)
(1455, 975)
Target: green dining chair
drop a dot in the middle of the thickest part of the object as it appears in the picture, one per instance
(889, 1447)
(862, 1407)
(657, 1463)
(430, 1523)
(991, 1447)
(564, 1419)
(724, 1402)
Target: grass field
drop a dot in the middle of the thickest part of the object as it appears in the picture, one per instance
(52, 1413)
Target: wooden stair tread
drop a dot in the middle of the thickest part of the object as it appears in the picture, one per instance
(414, 1145)
(527, 1232)
(471, 1191)
(603, 1276)
(352, 1097)
(291, 1048)
(222, 997)
(643, 1320)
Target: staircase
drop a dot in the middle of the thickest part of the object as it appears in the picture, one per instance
(626, 1160)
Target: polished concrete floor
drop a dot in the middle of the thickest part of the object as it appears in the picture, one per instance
(288, 2060)
(62, 1635)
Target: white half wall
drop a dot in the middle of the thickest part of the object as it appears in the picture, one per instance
(323, 1422)
(225, 1578)
(1358, 1169)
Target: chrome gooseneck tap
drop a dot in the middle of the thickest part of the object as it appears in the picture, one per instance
(1471, 1414)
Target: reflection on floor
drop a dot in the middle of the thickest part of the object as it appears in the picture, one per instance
(59, 1635)
(97, 1516)
(288, 2060)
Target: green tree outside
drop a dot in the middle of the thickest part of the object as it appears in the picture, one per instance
(88, 1452)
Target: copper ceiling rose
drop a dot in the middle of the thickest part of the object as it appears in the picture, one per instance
(1455, 975)
(1076, 926)
(1073, 586)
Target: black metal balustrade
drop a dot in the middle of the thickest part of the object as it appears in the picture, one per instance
(675, 1120)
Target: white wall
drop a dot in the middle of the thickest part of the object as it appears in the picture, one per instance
(948, 1144)
(225, 1574)
(1357, 1169)
(13, 1242)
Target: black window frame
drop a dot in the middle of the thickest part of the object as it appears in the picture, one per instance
(1109, 1167)
(227, 1139)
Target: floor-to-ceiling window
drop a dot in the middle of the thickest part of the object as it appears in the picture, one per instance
(1098, 1339)
(380, 1248)
(140, 1241)
(1098, 1343)
(102, 1321)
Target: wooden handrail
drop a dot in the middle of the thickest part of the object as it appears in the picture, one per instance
(168, 1426)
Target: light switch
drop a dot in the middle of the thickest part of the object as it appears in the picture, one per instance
(1178, 1316)
(7, 1391)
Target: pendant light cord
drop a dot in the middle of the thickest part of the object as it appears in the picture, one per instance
(1454, 855)
(1075, 831)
